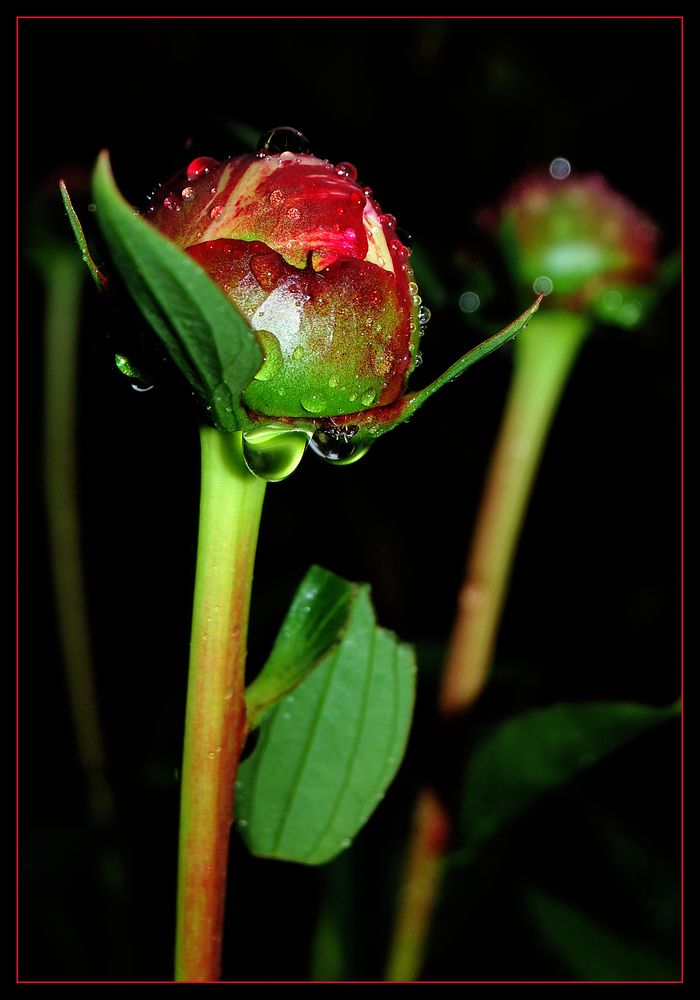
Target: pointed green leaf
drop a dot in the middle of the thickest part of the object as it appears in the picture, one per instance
(327, 753)
(541, 750)
(314, 624)
(97, 275)
(593, 952)
(371, 424)
(206, 337)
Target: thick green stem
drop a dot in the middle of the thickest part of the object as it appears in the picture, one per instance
(63, 276)
(543, 359)
(215, 727)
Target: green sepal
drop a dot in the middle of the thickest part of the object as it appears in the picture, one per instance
(202, 332)
(97, 276)
(373, 423)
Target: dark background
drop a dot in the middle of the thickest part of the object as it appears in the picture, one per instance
(439, 116)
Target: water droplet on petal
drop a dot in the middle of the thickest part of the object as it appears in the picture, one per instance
(345, 843)
(294, 214)
(313, 403)
(298, 353)
(368, 397)
(216, 212)
(279, 140)
(187, 193)
(276, 197)
(424, 315)
(347, 170)
(201, 165)
(167, 203)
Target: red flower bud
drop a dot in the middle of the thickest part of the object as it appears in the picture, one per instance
(305, 254)
(580, 242)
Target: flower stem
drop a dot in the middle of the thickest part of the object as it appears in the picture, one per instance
(544, 357)
(215, 726)
(63, 275)
(419, 889)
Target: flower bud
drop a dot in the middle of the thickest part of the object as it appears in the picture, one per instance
(581, 243)
(306, 255)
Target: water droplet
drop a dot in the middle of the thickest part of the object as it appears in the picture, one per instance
(332, 383)
(412, 288)
(416, 300)
(293, 213)
(336, 445)
(167, 202)
(418, 360)
(273, 451)
(347, 170)
(216, 212)
(92, 207)
(424, 315)
(286, 716)
(279, 140)
(368, 397)
(543, 285)
(201, 165)
(219, 749)
(274, 360)
(276, 197)
(242, 823)
(559, 168)
(345, 843)
(210, 755)
(469, 302)
(298, 353)
(187, 193)
(612, 300)
(139, 382)
(387, 220)
(313, 403)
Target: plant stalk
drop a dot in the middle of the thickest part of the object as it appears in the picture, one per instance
(544, 357)
(215, 725)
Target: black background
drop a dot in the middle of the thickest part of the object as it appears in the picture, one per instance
(439, 116)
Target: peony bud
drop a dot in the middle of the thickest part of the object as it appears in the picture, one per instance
(305, 253)
(581, 243)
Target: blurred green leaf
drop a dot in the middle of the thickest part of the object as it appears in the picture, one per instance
(539, 751)
(327, 752)
(204, 335)
(591, 951)
(314, 624)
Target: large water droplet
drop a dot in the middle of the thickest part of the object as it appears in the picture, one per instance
(278, 140)
(273, 451)
(368, 397)
(336, 445)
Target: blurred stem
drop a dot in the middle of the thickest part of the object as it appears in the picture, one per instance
(419, 889)
(544, 356)
(215, 726)
(62, 271)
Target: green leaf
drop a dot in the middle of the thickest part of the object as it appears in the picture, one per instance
(591, 951)
(327, 752)
(205, 336)
(541, 750)
(314, 624)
